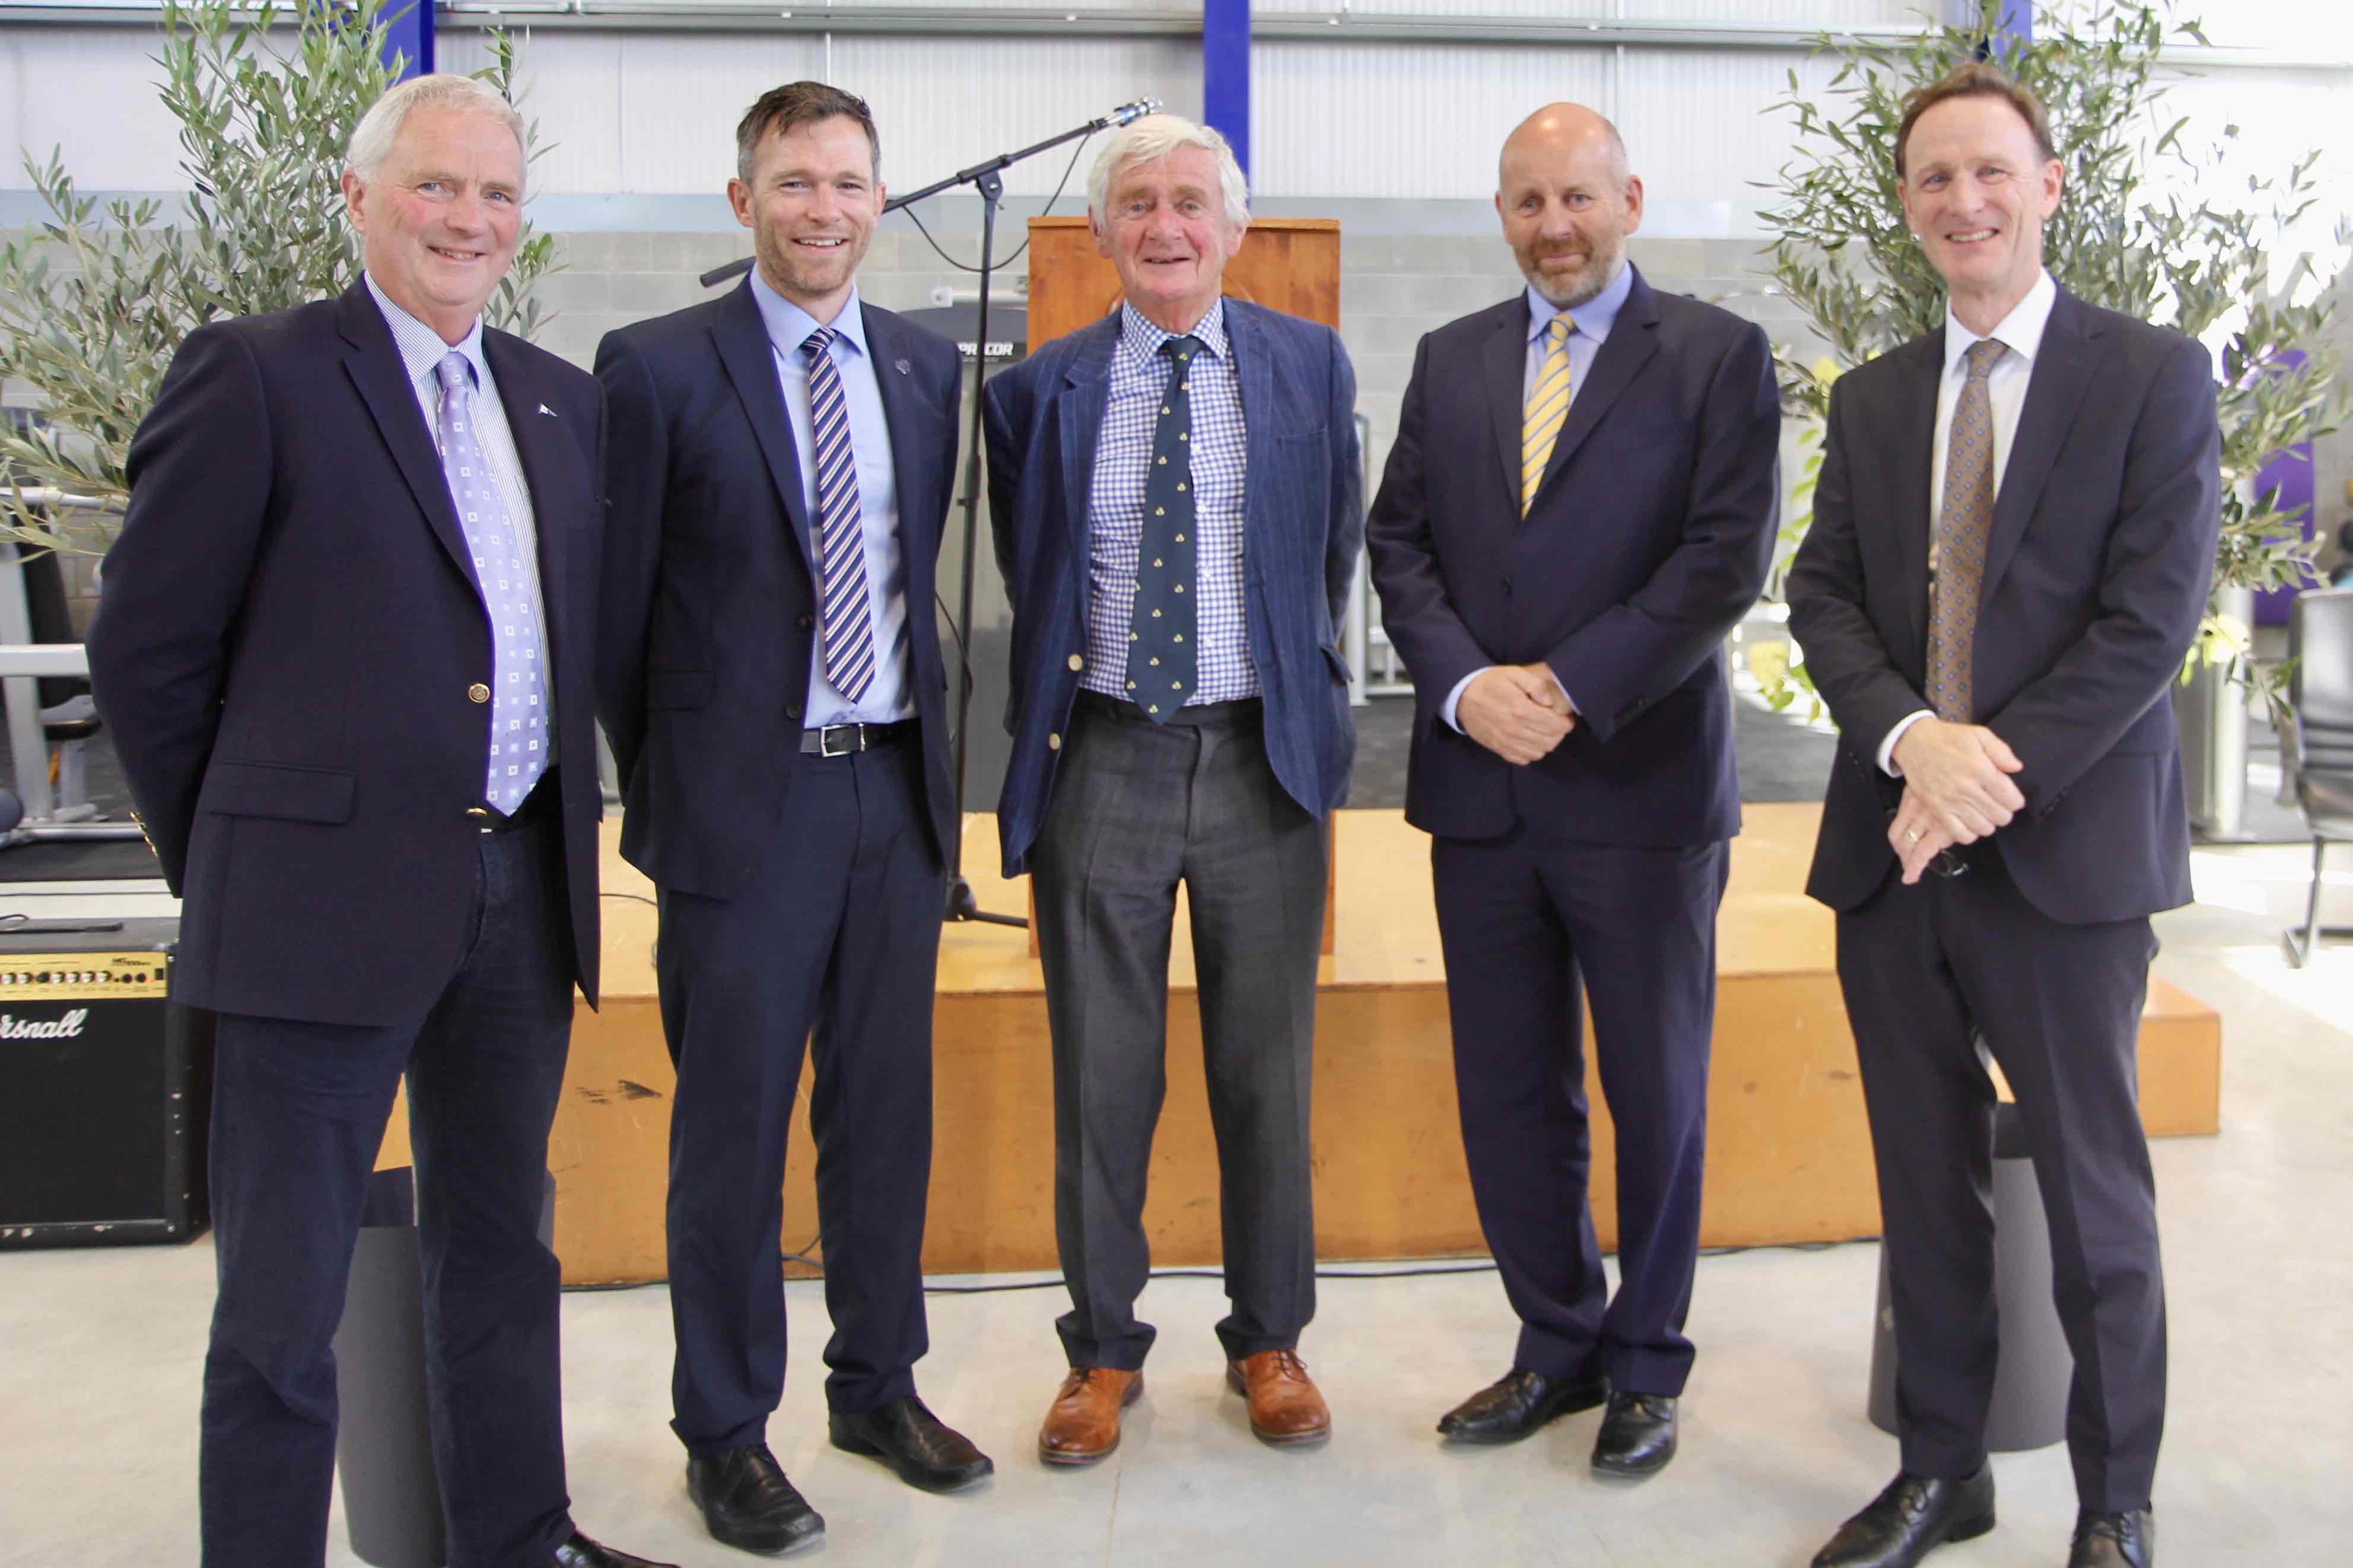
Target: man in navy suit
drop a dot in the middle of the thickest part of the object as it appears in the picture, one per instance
(2011, 544)
(1578, 508)
(779, 469)
(1175, 496)
(343, 646)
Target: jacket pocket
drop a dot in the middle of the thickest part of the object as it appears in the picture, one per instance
(677, 689)
(290, 793)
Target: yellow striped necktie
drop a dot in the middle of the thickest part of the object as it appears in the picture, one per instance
(1547, 406)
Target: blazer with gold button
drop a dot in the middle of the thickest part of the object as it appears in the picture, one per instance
(1302, 489)
(292, 657)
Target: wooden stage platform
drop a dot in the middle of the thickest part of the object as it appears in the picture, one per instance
(1788, 1151)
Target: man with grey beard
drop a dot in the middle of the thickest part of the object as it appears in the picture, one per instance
(1578, 508)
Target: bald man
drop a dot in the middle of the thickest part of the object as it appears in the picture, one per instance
(1577, 509)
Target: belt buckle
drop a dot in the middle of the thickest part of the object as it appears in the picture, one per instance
(854, 733)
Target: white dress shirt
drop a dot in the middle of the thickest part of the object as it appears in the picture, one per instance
(421, 353)
(2020, 333)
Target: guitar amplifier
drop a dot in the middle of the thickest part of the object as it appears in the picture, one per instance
(105, 1089)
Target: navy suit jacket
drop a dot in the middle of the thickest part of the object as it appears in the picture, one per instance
(285, 640)
(1648, 539)
(709, 602)
(1303, 517)
(2096, 579)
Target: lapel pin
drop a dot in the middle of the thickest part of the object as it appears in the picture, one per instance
(543, 408)
(904, 369)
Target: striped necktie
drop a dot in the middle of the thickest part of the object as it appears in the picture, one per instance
(1547, 406)
(1957, 552)
(847, 628)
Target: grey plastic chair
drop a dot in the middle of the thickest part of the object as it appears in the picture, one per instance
(2320, 641)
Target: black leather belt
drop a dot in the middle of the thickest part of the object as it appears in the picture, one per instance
(1240, 711)
(842, 740)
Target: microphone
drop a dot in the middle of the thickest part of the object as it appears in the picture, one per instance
(1127, 111)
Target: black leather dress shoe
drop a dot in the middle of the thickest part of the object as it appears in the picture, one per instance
(1638, 1436)
(747, 1502)
(582, 1553)
(1912, 1518)
(924, 1450)
(1518, 1404)
(2114, 1540)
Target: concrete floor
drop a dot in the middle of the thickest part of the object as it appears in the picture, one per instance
(99, 1353)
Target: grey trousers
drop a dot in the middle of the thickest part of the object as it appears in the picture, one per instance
(1136, 808)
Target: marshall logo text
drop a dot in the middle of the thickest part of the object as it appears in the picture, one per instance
(65, 1028)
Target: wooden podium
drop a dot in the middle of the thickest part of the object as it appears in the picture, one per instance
(1287, 264)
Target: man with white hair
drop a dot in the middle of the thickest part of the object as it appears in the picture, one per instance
(1178, 508)
(343, 648)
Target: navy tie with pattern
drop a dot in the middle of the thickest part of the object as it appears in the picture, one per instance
(1160, 643)
(518, 714)
(842, 544)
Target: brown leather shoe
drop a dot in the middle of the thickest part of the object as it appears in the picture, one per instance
(1285, 1408)
(1082, 1425)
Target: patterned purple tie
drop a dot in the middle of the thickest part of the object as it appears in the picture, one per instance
(1958, 552)
(518, 712)
(841, 544)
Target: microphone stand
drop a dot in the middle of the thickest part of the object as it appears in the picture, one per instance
(985, 178)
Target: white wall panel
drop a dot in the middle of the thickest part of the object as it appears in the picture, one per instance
(95, 92)
(1803, 12)
(1401, 120)
(1699, 125)
(945, 104)
(570, 84)
(680, 96)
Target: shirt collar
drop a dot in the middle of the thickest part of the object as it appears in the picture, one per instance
(789, 326)
(2021, 332)
(1594, 318)
(421, 348)
(1144, 339)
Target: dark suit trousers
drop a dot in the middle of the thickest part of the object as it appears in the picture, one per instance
(298, 1111)
(2059, 1005)
(1137, 806)
(838, 933)
(1522, 920)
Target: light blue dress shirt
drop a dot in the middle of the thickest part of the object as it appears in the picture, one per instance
(890, 696)
(421, 353)
(1593, 320)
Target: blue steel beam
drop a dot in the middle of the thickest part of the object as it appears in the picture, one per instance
(409, 36)
(1226, 72)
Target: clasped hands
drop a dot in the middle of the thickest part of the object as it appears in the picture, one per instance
(1515, 710)
(1957, 790)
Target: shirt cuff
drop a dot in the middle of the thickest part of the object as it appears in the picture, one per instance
(1446, 709)
(1887, 747)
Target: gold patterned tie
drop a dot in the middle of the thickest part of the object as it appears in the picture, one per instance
(1547, 406)
(1957, 554)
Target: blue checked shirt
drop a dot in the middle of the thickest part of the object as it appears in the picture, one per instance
(421, 352)
(1115, 510)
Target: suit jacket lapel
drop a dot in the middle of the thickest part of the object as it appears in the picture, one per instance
(1913, 440)
(901, 410)
(541, 446)
(1633, 339)
(373, 361)
(1504, 365)
(2062, 373)
(741, 335)
(1254, 372)
(1081, 414)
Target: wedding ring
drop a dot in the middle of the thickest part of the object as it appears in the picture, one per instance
(1911, 835)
